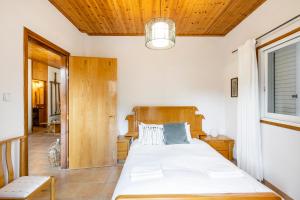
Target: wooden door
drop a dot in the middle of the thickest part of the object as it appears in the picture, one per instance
(92, 112)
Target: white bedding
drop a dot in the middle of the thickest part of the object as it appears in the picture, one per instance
(187, 169)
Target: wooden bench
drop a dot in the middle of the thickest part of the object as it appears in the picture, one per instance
(23, 187)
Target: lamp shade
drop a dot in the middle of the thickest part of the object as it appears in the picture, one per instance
(160, 34)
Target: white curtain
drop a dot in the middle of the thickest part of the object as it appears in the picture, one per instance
(249, 152)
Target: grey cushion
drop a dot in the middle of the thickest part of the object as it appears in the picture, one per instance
(175, 133)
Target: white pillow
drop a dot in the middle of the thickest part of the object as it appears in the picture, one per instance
(151, 134)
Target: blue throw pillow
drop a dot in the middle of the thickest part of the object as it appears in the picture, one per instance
(175, 133)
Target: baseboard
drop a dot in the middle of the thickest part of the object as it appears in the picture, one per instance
(275, 189)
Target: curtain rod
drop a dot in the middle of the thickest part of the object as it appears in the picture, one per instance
(277, 27)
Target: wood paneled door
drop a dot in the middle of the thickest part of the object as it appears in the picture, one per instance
(92, 112)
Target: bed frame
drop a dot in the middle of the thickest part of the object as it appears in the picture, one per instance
(233, 196)
(165, 114)
(169, 114)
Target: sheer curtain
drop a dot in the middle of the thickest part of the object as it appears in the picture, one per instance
(249, 152)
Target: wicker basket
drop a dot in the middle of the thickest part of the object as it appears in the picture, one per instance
(54, 154)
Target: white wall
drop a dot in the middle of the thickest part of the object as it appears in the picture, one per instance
(281, 147)
(43, 18)
(189, 74)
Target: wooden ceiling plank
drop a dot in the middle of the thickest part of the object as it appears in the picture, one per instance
(148, 10)
(218, 15)
(226, 18)
(118, 6)
(78, 15)
(104, 25)
(135, 16)
(110, 15)
(232, 16)
(184, 21)
(128, 17)
(195, 18)
(115, 23)
(191, 22)
(142, 15)
(83, 14)
(130, 24)
(210, 13)
(88, 11)
(178, 17)
(196, 21)
(256, 4)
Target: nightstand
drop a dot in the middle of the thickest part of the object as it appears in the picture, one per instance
(221, 143)
(123, 145)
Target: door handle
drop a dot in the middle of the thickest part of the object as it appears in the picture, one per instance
(295, 96)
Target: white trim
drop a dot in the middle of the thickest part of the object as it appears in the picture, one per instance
(263, 69)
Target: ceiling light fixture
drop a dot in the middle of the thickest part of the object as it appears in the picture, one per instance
(160, 33)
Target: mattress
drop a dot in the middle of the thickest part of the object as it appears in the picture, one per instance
(185, 170)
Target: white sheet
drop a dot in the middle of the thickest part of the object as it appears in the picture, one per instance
(186, 169)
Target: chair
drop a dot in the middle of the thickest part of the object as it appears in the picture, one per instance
(23, 187)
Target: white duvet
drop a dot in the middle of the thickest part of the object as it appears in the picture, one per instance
(193, 168)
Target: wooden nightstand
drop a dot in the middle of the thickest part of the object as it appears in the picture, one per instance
(123, 145)
(221, 143)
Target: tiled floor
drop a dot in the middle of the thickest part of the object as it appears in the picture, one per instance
(83, 184)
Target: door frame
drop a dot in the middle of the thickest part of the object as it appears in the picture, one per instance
(28, 34)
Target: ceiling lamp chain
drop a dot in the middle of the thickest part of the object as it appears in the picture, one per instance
(160, 33)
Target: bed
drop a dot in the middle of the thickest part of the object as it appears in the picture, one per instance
(190, 171)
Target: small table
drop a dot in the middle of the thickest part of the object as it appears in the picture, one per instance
(123, 145)
(55, 127)
(221, 143)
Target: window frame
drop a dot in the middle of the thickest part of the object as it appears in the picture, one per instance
(262, 55)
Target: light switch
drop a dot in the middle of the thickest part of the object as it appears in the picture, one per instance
(7, 97)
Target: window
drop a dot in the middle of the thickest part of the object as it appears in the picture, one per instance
(280, 79)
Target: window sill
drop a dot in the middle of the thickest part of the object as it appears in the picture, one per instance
(280, 124)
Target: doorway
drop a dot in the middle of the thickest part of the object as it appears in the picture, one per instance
(46, 97)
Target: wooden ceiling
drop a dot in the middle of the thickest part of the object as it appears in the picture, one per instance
(128, 17)
(40, 53)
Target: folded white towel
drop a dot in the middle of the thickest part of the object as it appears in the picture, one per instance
(145, 172)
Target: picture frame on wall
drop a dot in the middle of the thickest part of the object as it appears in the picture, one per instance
(234, 87)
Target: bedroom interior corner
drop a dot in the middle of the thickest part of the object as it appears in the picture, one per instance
(118, 90)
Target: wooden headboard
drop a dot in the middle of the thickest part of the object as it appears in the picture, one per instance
(165, 114)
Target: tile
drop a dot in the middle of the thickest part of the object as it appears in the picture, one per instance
(115, 174)
(82, 184)
(108, 189)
